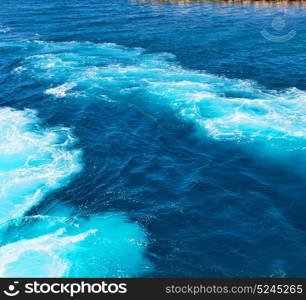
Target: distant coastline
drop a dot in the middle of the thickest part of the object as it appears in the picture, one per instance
(223, 1)
(229, 1)
(283, 3)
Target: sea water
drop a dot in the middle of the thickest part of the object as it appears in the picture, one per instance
(151, 139)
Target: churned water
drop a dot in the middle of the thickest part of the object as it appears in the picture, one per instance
(152, 139)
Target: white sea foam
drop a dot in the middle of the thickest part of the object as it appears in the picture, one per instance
(60, 91)
(19, 69)
(44, 249)
(33, 161)
(101, 246)
(227, 109)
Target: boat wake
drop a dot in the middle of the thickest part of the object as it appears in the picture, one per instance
(33, 162)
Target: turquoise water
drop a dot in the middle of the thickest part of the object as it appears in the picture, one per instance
(151, 139)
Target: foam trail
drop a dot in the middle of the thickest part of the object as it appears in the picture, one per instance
(60, 91)
(99, 246)
(226, 109)
(33, 161)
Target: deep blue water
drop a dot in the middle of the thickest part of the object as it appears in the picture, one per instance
(151, 139)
